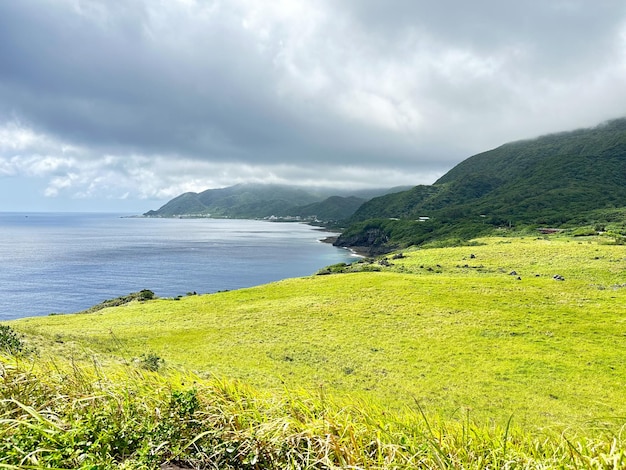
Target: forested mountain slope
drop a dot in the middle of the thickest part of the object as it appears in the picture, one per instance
(552, 180)
(258, 201)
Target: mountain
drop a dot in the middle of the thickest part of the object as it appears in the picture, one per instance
(334, 208)
(555, 180)
(240, 201)
(258, 201)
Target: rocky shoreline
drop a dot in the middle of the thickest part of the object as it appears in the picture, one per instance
(363, 252)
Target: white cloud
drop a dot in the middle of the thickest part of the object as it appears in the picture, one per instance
(160, 177)
(146, 99)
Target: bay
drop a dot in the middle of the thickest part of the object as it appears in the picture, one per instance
(60, 263)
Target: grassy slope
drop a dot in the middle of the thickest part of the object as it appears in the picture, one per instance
(454, 337)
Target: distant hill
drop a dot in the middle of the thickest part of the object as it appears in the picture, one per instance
(554, 180)
(258, 201)
(239, 201)
(334, 208)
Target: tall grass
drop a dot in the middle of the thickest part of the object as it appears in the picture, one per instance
(64, 414)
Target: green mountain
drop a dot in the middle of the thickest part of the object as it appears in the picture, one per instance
(556, 180)
(334, 208)
(239, 201)
(258, 201)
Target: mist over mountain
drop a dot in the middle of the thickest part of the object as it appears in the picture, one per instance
(557, 180)
(572, 177)
(259, 201)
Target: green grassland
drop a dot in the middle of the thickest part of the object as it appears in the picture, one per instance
(481, 333)
(449, 330)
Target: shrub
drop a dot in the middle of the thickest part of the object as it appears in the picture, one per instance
(584, 232)
(141, 296)
(10, 340)
(145, 294)
(333, 269)
(151, 362)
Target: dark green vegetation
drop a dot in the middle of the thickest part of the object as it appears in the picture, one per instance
(561, 180)
(140, 296)
(10, 341)
(258, 201)
(332, 209)
(240, 201)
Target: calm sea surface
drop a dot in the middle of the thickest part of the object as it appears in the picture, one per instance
(57, 263)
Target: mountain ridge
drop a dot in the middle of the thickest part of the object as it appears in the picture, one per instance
(556, 179)
(562, 179)
(263, 201)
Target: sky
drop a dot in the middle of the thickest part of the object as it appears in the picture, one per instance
(121, 105)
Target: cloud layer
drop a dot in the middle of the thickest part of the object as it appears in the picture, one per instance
(145, 99)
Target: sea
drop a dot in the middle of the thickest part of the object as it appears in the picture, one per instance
(67, 262)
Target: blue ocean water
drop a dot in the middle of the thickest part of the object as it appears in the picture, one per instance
(59, 263)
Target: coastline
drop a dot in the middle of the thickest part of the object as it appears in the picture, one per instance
(167, 257)
(360, 253)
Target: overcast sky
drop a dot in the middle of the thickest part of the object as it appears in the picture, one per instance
(123, 104)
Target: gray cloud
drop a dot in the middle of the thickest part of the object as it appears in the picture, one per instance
(144, 99)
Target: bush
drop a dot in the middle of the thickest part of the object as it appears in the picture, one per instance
(584, 232)
(141, 296)
(144, 294)
(333, 269)
(151, 362)
(10, 340)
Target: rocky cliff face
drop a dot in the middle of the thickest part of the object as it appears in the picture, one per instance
(370, 242)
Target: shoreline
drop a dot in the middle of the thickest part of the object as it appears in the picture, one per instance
(154, 246)
(360, 253)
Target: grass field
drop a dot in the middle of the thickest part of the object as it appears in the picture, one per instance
(482, 333)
